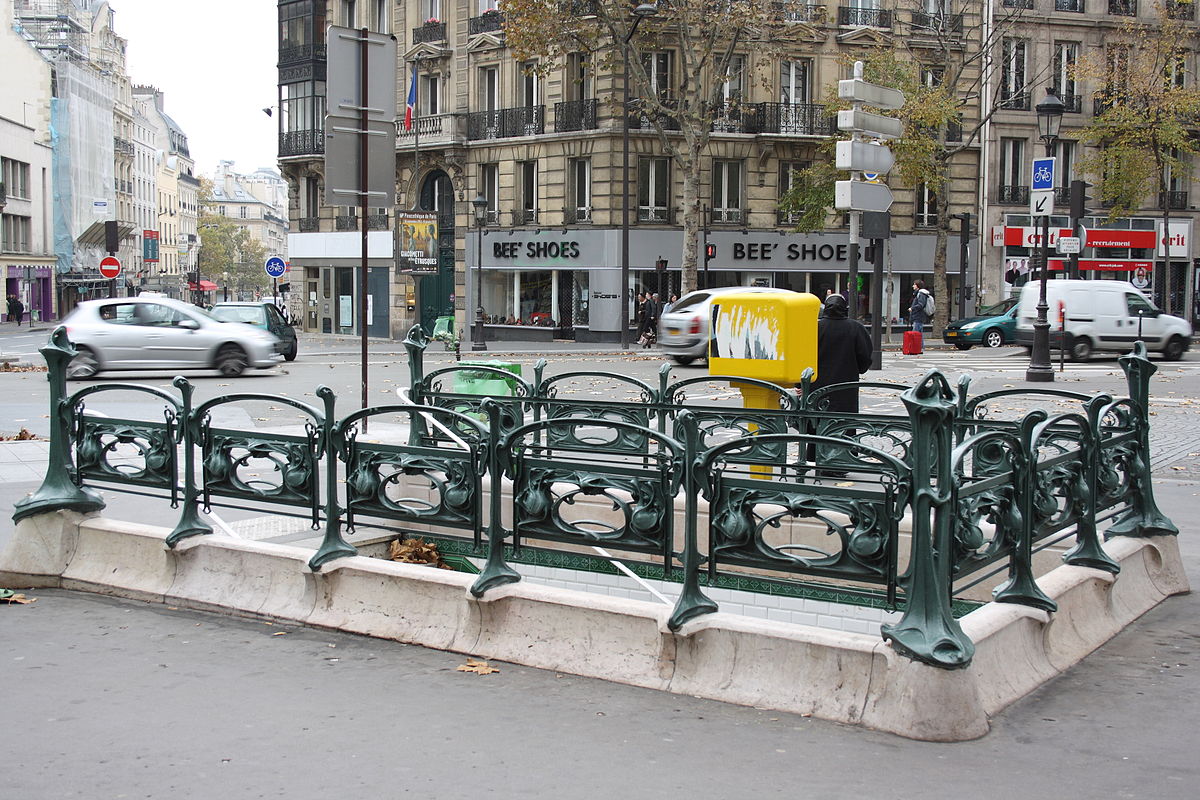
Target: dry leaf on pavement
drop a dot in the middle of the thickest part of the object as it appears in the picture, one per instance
(478, 667)
(9, 596)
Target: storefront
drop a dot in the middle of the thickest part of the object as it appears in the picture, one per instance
(564, 283)
(34, 285)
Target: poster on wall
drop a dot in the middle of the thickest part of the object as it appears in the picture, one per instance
(418, 242)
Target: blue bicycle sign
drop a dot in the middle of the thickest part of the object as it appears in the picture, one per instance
(1043, 173)
(275, 266)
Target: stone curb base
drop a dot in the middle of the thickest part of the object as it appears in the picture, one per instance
(843, 677)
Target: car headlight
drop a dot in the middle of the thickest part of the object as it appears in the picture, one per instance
(970, 326)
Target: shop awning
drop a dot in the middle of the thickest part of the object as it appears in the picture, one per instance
(205, 286)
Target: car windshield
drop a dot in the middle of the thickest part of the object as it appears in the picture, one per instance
(689, 301)
(249, 314)
(998, 308)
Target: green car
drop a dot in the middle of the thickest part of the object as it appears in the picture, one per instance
(995, 326)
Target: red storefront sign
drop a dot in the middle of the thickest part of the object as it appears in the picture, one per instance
(1107, 265)
(1032, 237)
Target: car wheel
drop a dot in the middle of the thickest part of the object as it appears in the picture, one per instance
(993, 338)
(292, 352)
(85, 364)
(683, 361)
(1081, 348)
(231, 360)
(962, 345)
(1174, 349)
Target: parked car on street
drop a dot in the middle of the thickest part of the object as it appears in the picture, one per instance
(994, 326)
(123, 333)
(265, 315)
(683, 331)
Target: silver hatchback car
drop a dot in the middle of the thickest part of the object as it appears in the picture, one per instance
(683, 331)
(123, 333)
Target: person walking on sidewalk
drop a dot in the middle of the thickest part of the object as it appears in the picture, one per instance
(919, 312)
(16, 309)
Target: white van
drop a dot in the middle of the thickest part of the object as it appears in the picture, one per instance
(1102, 316)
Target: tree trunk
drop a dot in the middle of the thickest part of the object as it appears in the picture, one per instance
(692, 221)
(941, 294)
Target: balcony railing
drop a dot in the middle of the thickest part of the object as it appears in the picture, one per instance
(1172, 199)
(938, 22)
(1017, 101)
(802, 13)
(432, 129)
(1072, 102)
(309, 224)
(642, 120)
(656, 215)
(123, 146)
(865, 17)
(301, 143)
(1103, 101)
(1013, 195)
(1122, 8)
(575, 216)
(523, 121)
(575, 115)
(301, 53)
(1069, 5)
(430, 32)
(1062, 195)
(1176, 10)
(579, 8)
(485, 23)
(789, 218)
(1018, 3)
(797, 119)
(728, 216)
(375, 222)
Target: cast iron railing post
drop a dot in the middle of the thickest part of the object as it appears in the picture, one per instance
(496, 572)
(692, 601)
(332, 545)
(189, 523)
(58, 491)
(1021, 586)
(1087, 551)
(1143, 517)
(928, 631)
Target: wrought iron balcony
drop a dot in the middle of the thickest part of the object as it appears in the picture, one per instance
(522, 121)
(525, 216)
(486, 22)
(430, 32)
(1013, 195)
(301, 53)
(938, 22)
(1172, 199)
(802, 13)
(1062, 195)
(1069, 5)
(575, 115)
(1103, 101)
(574, 216)
(375, 222)
(1018, 3)
(1015, 101)
(301, 143)
(309, 224)
(954, 132)
(660, 215)
(122, 146)
(728, 216)
(1177, 10)
(788, 218)
(580, 8)
(1072, 102)
(638, 119)
(1122, 8)
(865, 17)
(796, 119)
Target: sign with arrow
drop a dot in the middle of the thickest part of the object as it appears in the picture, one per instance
(1041, 202)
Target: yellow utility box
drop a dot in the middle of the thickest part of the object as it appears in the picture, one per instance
(771, 336)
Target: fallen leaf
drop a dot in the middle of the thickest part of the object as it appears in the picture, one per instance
(279, 633)
(478, 667)
(845, 483)
(9, 596)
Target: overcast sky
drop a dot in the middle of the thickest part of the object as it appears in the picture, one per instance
(215, 63)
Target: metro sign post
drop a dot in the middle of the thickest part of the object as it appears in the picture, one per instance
(862, 155)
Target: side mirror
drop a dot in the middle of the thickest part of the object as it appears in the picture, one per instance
(189, 324)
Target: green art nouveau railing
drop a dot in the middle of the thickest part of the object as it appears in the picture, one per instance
(663, 474)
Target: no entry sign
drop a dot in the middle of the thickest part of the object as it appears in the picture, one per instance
(110, 266)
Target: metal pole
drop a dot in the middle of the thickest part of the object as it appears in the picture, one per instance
(477, 341)
(964, 238)
(624, 291)
(274, 291)
(1040, 370)
(852, 273)
(878, 312)
(363, 122)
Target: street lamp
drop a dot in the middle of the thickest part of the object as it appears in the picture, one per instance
(480, 207)
(1049, 117)
(640, 13)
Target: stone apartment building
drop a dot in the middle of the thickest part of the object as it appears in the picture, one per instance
(546, 152)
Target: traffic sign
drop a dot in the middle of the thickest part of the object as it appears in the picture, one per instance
(1043, 173)
(864, 157)
(861, 196)
(1069, 244)
(859, 91)
(877, 126)
(110, 266)
(276, 266)
(1041, 202)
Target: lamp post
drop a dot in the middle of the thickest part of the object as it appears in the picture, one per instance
(479, 206)
(640, 13)
(1049, 117)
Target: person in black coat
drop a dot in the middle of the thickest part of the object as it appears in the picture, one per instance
(843, 352)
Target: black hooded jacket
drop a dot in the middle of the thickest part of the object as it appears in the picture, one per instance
(843, 352)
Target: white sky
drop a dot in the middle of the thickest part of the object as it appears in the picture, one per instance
(215, 64)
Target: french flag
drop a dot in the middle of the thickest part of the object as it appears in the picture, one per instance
(410, 106)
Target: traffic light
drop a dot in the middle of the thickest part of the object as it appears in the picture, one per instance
(1080, 199)
(710, 252)
(661, 264)
(112, 236)
(193, 277)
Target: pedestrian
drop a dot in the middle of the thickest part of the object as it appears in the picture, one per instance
(9, 306)
(920, 311)
(18, 309)
(648, 329)
(843, 354)
(671, 303)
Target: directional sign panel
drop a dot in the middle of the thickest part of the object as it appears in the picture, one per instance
(1041, 202)
(859, 91)
(864, 157)
(868, 124)
(861, 196)
(1043, 173)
